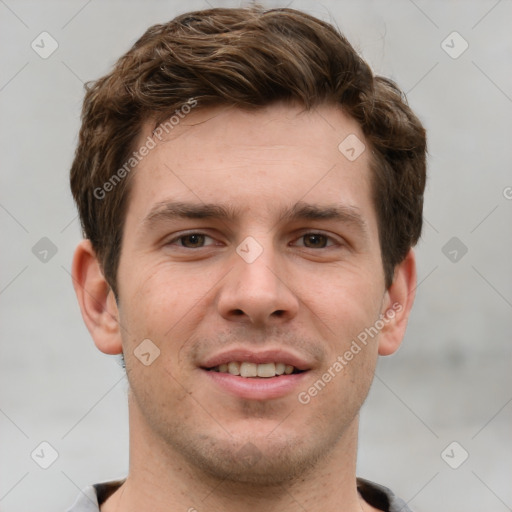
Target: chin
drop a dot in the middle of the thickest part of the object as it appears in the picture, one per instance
(260, 463)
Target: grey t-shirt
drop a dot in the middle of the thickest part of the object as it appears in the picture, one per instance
(376, 495)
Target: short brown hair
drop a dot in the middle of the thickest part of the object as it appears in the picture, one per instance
(247, 58)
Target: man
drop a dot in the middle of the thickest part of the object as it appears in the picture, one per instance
(249, 194)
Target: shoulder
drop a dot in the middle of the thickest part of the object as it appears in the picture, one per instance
(381, 497)
(90, 498)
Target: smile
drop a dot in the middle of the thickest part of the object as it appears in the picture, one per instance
(248, 369)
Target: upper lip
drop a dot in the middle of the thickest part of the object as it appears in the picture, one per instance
(258, 357)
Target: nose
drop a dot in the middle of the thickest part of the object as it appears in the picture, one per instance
(258, 291)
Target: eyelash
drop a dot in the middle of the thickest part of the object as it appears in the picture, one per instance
(182, 236)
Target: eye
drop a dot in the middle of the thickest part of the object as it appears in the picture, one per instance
(190, 240)
(315, 240)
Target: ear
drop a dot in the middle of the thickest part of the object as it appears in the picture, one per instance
(96, 299)
(397, 304)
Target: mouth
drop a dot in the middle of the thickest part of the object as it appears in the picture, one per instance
(257, 375)
(248, 369)
(256, 381)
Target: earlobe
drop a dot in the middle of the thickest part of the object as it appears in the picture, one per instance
(96, 299)
(397, 304)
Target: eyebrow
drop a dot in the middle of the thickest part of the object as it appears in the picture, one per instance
(171, 210)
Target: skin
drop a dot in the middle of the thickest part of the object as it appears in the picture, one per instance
(309, 296)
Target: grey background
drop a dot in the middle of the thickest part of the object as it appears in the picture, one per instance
(450, 381)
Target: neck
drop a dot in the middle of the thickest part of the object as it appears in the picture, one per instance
(161, 479)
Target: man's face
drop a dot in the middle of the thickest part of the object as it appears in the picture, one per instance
(290, 275)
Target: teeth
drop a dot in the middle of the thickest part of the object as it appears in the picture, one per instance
(266, 370)
(249, 370)
(246, 369)
(234, 368)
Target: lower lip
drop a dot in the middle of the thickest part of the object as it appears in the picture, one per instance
(257, 388)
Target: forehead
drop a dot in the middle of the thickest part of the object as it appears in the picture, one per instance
(254, 160)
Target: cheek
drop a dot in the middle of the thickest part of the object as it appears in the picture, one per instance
(161, 295)
(347, 304)
(164, 306)
(353, 367)
(347, 314)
